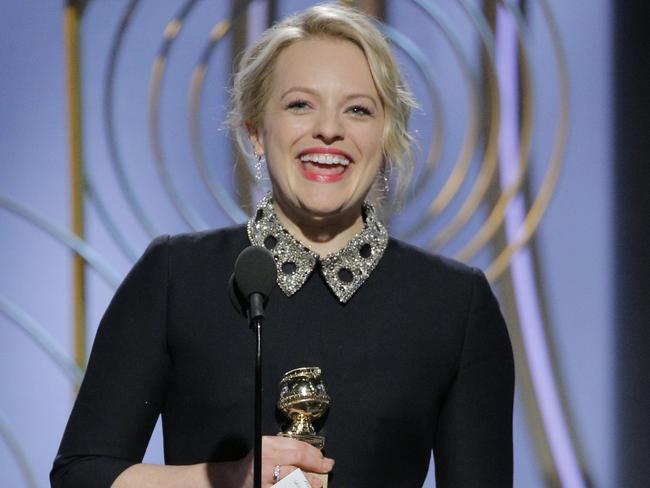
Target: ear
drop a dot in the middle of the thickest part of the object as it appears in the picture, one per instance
(256, 137)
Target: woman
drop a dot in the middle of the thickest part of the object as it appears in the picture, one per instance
(413, 348)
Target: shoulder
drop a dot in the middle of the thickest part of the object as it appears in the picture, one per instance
(216, 238)
(425, 268)
(212, 248)
(434, 280)
(446, 289)
(200, 242)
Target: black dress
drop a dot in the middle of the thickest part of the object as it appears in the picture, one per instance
(418, 359)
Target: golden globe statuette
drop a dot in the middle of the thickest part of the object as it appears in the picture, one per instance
(303, 399)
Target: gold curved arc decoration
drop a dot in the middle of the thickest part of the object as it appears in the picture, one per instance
(461, 167)
(234, 211)
(400, 41)
(489, 164)
(497, 215)
(171, 32)
(219, 30)
(115, 157)
(72, 20)
(556, 162)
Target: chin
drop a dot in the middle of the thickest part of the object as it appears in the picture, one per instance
(322, 208)
(324, 203)
(317, 199)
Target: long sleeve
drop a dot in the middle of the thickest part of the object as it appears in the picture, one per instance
(124, 386)
(473, 440)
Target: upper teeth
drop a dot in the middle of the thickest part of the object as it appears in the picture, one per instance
(325, 159)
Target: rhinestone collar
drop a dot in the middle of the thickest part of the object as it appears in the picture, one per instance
(344, 271)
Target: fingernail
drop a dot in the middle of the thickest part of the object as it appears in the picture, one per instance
(329, 463)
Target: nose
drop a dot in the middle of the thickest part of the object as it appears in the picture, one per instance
(328, 127)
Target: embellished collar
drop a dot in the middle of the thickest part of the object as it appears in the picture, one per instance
(344, 271)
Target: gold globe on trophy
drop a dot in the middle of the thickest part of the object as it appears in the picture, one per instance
(303, 399)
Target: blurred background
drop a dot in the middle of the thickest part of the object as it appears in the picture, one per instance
(532, 163)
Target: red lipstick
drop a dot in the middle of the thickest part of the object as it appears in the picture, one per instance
(320, 177)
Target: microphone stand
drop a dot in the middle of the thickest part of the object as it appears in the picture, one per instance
(254, 275)
(257, 303)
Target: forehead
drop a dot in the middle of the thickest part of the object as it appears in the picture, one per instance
(323, 63)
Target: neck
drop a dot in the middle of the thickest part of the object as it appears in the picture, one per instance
(322, 234)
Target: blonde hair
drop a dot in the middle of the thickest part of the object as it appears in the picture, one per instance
(252, 81)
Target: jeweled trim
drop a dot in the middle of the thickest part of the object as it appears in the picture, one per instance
(344, 271)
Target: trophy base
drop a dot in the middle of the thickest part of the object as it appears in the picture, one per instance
(322, 477)
(315, 440)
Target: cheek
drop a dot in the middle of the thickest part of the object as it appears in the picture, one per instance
(279, 148)
(283, 134)
(371, 141)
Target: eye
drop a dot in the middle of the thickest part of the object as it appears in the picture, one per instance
(360, 110)
(297, 105)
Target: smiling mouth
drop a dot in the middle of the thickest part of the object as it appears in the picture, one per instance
(325, 168)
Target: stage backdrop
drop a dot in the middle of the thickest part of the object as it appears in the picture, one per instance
(111, 132)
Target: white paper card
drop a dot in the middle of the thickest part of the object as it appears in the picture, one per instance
(295, 479)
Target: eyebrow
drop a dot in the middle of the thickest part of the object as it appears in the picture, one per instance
(313, 92)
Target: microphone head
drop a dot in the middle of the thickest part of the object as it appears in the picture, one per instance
(255, 271)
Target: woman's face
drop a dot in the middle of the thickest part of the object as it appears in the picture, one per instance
(322, 128)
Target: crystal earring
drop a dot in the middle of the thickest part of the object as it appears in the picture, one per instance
(258, 166)
(384, 176)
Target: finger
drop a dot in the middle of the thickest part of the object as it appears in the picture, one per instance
(287, 451)
(282, 472)
(305, 460)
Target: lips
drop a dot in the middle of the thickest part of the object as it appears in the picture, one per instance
(323, 164)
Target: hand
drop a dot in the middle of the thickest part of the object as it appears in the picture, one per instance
(289, 454)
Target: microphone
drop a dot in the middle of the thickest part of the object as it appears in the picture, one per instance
(255, 273)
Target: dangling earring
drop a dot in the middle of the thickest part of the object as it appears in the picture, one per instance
(258, 166)
(384, 177)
